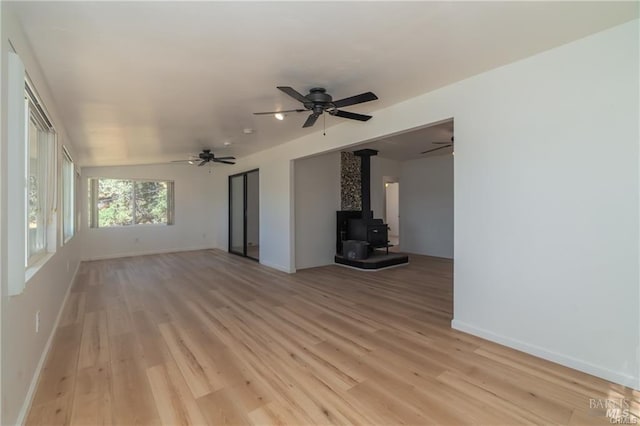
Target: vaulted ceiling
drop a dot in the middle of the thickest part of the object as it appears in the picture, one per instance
(148, 82)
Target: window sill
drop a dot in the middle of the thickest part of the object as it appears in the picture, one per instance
(141, 225)
(33, 269)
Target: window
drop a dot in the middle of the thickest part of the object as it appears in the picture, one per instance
(40, 172)
(122, 202)
(68, 196)
(78, 202)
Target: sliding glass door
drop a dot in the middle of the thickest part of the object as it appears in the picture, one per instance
(253, 217)
(236, 214)
(244, 222)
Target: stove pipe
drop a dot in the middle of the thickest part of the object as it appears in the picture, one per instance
(365, 180)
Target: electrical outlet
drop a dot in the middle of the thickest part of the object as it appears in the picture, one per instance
(37, 321)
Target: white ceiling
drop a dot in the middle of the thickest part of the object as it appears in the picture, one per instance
(148, 82)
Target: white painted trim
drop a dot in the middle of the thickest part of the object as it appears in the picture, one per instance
(26, 405)
(33, 269)
(565, 360)
(278, 267)
(147, 253)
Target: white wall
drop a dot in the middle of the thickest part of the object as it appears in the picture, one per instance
(426, 205)
(193, 228)
(383, 170)
(392, 213)
(546, 199)
(23, 350)
(546, 212)
(317, 198)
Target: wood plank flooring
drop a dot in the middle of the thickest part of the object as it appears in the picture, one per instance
(206, 337)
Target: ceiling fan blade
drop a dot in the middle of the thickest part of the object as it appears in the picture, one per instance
(357, 99)
(352, 115)
(279, 112)
(215, 160)
(180, 161)
(435, 149)
(311, 120)
(443, 143)
(293, 93)
(225, 158)
(202, 163)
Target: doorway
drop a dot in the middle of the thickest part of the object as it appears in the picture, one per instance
(392, 211)
(244, 214)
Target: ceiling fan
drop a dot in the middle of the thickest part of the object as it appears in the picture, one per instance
(444, 145)
(207, 156)
(319, 101)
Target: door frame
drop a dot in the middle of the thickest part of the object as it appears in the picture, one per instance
(244, 215)
(394, 181)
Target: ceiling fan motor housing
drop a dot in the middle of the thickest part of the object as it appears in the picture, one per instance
(319, 99)
(205, 154)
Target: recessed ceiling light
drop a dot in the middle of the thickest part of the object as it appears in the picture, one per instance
(191, 162)
(279, 116)
(247, 131)
(227, 143)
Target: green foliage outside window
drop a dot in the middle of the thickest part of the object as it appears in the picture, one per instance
(34, 202)
(115, 199)
(151, 202)
(127, 202)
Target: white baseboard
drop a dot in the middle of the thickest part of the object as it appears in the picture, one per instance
(370, 270)
(278, 267)
(567, 361)
(177, 250)
(47, 347)
(145, 253)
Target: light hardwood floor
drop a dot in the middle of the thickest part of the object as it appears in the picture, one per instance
(210, 338)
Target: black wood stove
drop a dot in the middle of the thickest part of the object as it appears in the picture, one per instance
(361, 226)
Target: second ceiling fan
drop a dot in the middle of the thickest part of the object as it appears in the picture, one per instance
(444, 145)
(206, 156)
(319, 101)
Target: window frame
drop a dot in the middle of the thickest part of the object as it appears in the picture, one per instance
(93, 219)
(46, 141)
(69, 213)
